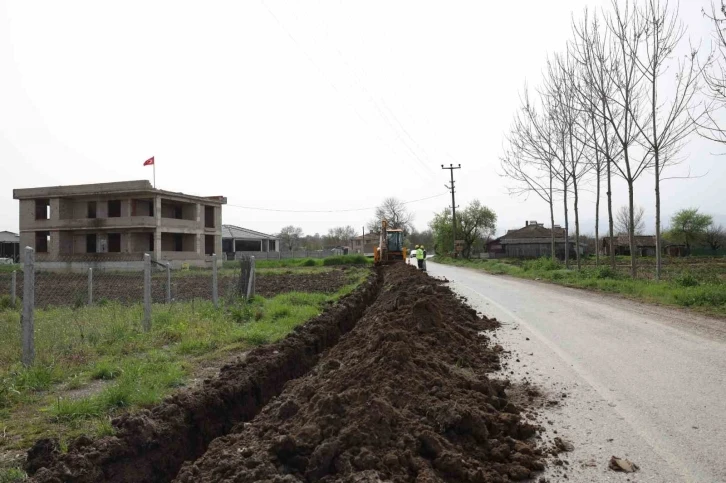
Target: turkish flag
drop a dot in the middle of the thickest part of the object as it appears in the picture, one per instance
(149, 161)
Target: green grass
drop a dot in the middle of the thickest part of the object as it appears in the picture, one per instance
(700, 288)
(306, 262)
(92, 362)
(12, 475)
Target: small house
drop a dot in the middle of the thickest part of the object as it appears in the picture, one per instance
(533, 241)
(644, 245)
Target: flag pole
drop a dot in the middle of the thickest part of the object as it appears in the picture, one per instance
(154, 165)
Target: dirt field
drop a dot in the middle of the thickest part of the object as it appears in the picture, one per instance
(404, 396)
(71, 288)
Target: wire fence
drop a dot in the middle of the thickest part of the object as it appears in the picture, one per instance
(35, 288)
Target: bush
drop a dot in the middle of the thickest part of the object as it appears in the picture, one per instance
(346, 260)
(686, 280)
(605, 272)
(5, 302)
(309, 263)
(544, 263)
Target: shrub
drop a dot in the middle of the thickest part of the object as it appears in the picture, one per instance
(309, 263)
(5, 302)
(686, 280)
(605, 272)
(544, 263)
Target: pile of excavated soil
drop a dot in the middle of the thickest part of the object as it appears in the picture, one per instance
(403, 397)
(151, 445)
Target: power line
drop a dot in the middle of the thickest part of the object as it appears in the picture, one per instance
(329, 211)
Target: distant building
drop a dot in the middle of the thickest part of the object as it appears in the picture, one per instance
(364, 245)
(9, 245)
(238, 239)
(532, 241)
(644, 245)
(112, 225)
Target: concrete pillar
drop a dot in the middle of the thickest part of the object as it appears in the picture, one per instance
(54, 244)
(157, 232)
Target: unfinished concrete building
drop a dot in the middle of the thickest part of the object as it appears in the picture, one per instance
(112, 225)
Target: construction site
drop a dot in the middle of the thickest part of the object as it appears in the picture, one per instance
(399, 381)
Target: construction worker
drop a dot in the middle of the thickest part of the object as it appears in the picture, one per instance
(420, 256)
(423, 258)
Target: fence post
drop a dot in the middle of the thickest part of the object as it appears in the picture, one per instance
(90, 286)
(251, 279)
(168, 282)
(28, 324)
(13, 288)
(214, 281)
(147, 293)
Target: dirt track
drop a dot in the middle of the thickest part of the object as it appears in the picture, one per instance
(403, 397)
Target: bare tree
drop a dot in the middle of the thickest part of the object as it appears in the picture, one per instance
(714, 80)
(340, 235)
(668, 122)
(529, 161)
(714, 236)
(622, 220)
(591, 48)
(394, 211)
(625, 103)
(290, 236)
(561, 87)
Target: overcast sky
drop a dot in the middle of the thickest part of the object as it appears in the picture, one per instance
(292, 105)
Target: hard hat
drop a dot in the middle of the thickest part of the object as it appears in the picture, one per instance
(416, 246)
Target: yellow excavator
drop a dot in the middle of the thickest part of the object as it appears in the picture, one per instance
(390, 247)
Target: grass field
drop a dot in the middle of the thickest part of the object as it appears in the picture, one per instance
(307, 262)
(694, 283)
(92, 362)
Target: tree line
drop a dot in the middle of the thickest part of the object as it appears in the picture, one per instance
(618, 103)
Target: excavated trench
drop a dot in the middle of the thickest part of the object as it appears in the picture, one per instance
(405, 395)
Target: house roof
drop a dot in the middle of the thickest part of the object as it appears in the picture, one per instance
(9, 237)
(533, 231)
(623, 240)
(232, 231)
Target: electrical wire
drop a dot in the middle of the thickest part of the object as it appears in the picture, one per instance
(329, 211)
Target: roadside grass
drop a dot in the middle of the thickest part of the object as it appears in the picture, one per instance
(306, 262)
(701, 288)
(92, 362)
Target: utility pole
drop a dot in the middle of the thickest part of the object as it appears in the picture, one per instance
(451, 169)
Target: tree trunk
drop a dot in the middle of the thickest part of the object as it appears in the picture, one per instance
(552, 216)
(567, 228)
(577, 224)
(598, 172)
(577, 213)
(631, 231)
(658, 256)
(608, 160)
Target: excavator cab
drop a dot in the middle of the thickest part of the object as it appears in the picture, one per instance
(390, 248)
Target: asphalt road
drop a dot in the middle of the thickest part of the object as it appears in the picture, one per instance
(631, 380)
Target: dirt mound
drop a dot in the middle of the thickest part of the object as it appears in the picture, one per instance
(403, 397)
(151, 445)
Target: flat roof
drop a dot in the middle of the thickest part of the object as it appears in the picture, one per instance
(135, 187)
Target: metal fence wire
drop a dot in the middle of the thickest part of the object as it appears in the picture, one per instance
(68, 283)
